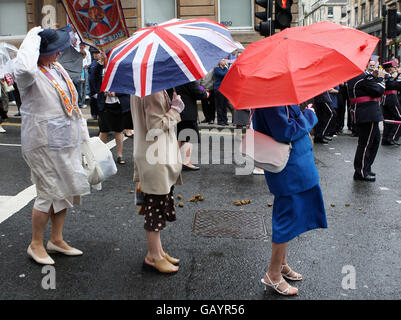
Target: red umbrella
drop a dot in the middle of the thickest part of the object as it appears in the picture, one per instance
(297, 64)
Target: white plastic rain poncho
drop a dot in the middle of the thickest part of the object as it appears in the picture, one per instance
(50, 138)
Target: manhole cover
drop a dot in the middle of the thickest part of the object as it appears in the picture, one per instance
(229, 224)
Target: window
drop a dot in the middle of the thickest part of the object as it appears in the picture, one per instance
(330, 12)
(356, 17)
(10, 12)
(156, 11)
(236, 13)
(371, 10)
(380, 8)
(363, 10)
(343, 11)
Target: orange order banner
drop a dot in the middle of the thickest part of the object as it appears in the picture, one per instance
(99, 23)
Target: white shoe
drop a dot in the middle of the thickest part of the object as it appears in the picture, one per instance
(258, 171)
(52, 248)
(47, 260)
(2, 130)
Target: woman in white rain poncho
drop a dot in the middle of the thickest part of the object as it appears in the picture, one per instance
(51, 134)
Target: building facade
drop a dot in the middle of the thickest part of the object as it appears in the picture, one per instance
(322, 10)
(18, 16)
(365, 15)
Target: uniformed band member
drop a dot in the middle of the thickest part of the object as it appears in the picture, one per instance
(325, 115)
(365, 91)
(391, 105)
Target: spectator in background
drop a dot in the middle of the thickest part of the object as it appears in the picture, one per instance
(86, 62)
(95, 72)
(111, 119)
(208, 104)
(187, 128)
(3, 105)
(221, 101)
(72, 61)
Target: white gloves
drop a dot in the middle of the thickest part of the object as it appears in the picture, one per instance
(177, 103)
(36, 30)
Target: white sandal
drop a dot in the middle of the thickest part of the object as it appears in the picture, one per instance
(275, 286)
(298, 276)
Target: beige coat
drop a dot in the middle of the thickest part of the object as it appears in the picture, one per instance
(157, 158)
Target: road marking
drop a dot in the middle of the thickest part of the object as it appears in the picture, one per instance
(4, 199)
(10, 145)
(10, 205)
(398, 201)
(16, 203)
(384, 188)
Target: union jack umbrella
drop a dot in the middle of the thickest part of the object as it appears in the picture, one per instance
(167, 55)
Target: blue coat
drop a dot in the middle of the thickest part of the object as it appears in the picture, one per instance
(300, 173)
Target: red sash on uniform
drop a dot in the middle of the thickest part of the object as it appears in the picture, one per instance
(363, 99)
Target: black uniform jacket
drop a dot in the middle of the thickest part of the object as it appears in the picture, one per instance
(323, 98)
(391, 99)
(367, 86)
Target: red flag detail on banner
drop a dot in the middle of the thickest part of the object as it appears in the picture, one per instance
(99, 23)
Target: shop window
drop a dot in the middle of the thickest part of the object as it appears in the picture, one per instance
(156, 11)
(236, 14)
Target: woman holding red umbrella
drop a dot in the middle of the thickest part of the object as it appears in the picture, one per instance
(298, 201)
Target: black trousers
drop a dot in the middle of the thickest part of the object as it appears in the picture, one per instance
(208, 107)
(325, 117)
(221, 106)
(368, 144)
(340, 112)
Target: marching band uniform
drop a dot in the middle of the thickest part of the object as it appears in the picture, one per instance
(391, 108)
(324, 112)
(365, 91)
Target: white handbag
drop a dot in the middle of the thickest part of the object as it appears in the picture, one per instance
(266, 153)
(97, 161)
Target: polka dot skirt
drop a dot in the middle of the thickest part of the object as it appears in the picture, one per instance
(158, 209)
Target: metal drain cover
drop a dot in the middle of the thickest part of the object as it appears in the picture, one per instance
(229, 224)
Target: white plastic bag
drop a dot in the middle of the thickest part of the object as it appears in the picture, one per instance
(98, 161)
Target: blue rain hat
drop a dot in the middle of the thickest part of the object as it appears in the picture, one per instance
(53, 41)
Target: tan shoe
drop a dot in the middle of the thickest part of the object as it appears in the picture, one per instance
(162, 265)
(171, 259)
